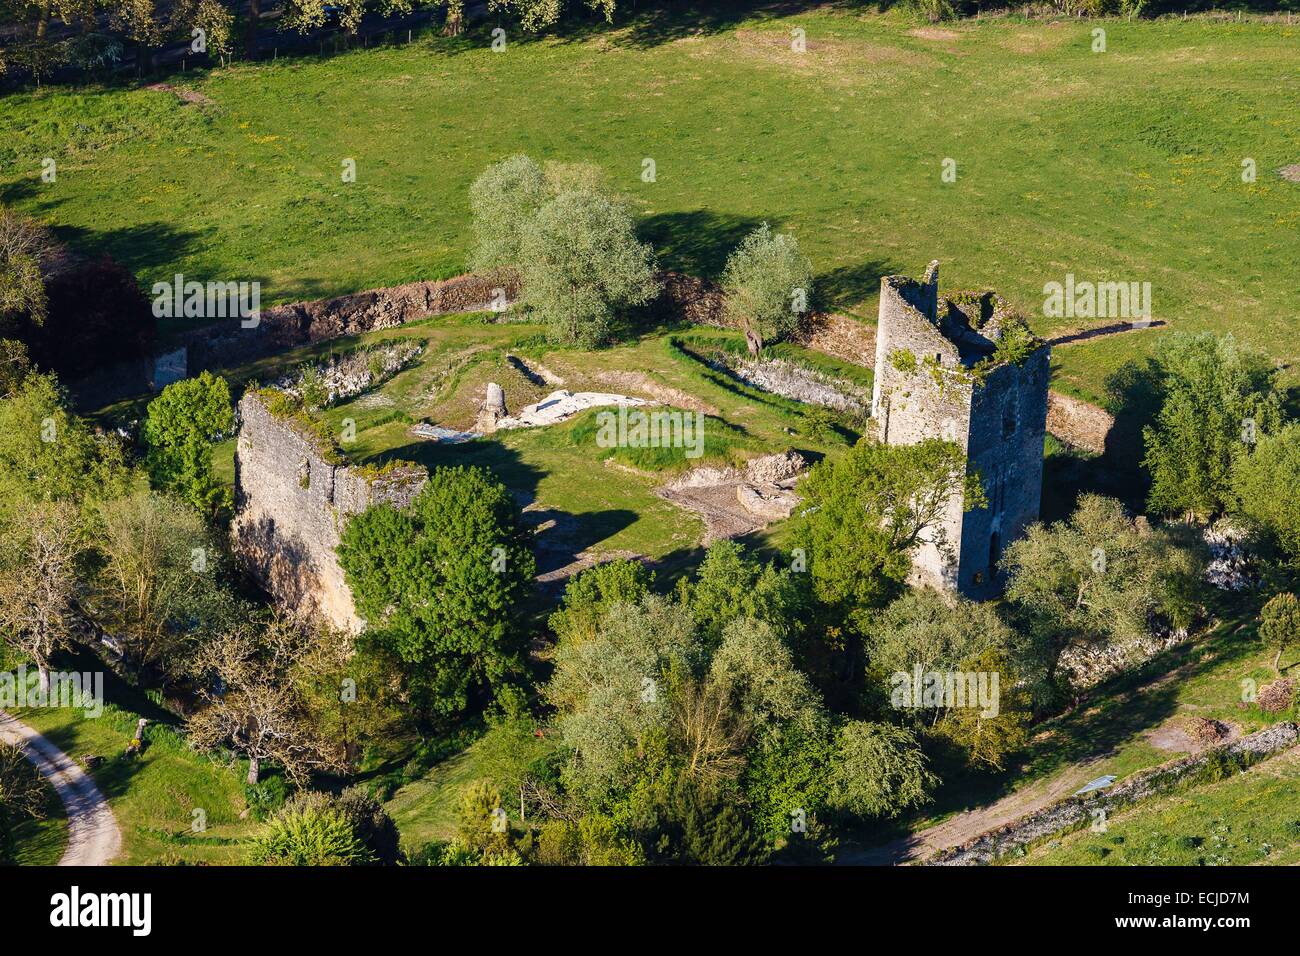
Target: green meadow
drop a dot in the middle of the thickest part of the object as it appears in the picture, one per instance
(1119, 165)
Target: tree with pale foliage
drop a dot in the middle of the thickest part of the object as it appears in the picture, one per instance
(879, 770)
(1218, 399)
(1100, 578)
(768, 285)
(1279, 625)
(40, 581)
(581, 265)
(157, 587)
(249, 704)
(1257, 477)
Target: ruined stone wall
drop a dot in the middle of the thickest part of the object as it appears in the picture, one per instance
(1008, 423)
(302, 323)
(291, 505)
(1076, 811)
(924, 389)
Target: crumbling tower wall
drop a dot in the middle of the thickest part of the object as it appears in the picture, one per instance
(937, 376)
(293, 497)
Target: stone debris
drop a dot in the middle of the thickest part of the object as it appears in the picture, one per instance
(342, 377)
(446, 436)
(564, 404)
(1229, 568)
(736, 501)
(794, 381)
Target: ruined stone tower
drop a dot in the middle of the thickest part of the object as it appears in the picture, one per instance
(938, 374)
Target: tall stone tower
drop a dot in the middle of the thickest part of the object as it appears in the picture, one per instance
(937, 376)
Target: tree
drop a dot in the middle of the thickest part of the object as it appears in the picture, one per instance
(439, 584)
(375, 839)
(1218, 398)
(768, 284)
(182, 425)
(1256, 480)
(350, 694)
(879, 770)
(864, 514)
(22, 796)
(937, 632)
(754, 672)
(581, 263)
(732, 586)
(48, 454)
(613, 692)
(248, 702)
(40, 580)
(591, 593)
(311, 836)
(157, 586)
(1279, 625)
(26, 249)
(1097, 579)
(502, 199)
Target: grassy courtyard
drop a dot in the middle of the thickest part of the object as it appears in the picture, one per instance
(1121, 165)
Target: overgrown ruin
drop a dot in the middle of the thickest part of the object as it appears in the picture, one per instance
(945, 369)
(293, 495)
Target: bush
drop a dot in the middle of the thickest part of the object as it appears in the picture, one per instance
(314, 836)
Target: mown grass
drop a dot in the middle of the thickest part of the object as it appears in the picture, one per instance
(1121, 165)
(606, 495)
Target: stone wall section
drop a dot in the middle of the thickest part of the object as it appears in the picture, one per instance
(291, 504)
(1076, 811)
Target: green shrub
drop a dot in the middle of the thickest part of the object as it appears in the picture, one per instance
(310, 837)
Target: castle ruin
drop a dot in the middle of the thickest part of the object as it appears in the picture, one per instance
(293, 495)
(938, 374)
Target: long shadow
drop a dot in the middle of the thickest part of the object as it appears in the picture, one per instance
(698, 242)
(673, 21)
(846, 286)
(519, 476)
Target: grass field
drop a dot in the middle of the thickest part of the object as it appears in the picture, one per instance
(42, 842)
(1122, 165)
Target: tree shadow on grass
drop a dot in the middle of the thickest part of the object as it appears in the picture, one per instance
(697, 242)
(847, 286)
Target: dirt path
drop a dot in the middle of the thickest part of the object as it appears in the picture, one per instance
(93, 834)
(970, 824)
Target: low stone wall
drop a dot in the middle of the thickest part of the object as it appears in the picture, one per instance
(1074, 812)
(291, 505)
(303, 323)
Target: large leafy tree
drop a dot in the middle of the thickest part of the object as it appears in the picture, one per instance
(1218, 398)
(731, 586)
(879, 770)
(440, 582)
(48, 454)
(157, 588)
(768, 284)
(581, 264)
(181, 428)
(1279, 625)
(1097, 579)
(590, 594)
(1258, 479)
(864, 514)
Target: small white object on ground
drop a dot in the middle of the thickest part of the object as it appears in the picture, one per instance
(1097, 784)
